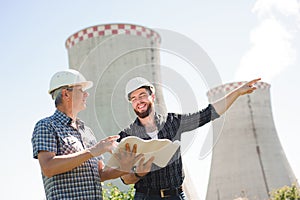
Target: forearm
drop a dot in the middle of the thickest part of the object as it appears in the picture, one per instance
(52, 165)
(111, 173)
(222, 105)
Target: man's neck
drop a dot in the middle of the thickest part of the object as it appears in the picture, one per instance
(68, 111)
(149, 122)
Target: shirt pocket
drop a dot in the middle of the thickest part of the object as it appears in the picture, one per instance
(69, 144)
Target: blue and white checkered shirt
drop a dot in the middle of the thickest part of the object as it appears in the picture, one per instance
(55, 134)
(170, 127)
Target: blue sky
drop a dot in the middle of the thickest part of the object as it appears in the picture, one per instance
(33, 35)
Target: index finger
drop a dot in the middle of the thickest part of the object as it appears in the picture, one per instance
(254, 81)
(113, 137)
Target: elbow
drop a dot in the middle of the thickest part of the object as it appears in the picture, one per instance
(47, 171)
(47, 164)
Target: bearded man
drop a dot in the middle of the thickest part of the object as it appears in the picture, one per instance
(152, 182)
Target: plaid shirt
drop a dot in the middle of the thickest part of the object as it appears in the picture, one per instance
(55, 134)
(170, 127)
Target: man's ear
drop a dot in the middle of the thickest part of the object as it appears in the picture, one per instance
(153, 96)
(65, 94)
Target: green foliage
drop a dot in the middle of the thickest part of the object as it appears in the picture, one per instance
(286, 193)
(112, 192)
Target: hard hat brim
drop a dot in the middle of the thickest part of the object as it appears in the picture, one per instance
(85, 85)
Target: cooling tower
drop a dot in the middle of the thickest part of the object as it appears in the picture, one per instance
(248, 160)
(110, 55)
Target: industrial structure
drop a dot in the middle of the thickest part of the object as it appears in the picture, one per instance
(110, 55)
(248, 160)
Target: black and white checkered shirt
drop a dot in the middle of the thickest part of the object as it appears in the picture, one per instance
(170, 127)
(55, 134)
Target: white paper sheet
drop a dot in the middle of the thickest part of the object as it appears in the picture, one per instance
(161, 149)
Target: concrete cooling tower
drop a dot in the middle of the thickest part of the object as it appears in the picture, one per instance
(248, 160)
(110, 55)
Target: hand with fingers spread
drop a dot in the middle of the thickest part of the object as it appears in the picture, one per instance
(248, 87)
(106, 145)
(127, 158)
(143, 167)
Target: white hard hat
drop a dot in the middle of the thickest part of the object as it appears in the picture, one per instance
(68, 77)
(137, 83)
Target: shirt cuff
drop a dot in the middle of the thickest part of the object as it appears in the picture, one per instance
(214, 114)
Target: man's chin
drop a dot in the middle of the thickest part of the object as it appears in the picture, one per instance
(143, 115)
(83, 107)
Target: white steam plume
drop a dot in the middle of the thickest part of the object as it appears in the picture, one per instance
(271, 41)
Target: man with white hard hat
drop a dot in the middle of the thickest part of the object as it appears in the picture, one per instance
(152, 182)
(67, 150)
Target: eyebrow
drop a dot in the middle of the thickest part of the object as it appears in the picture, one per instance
(139, 95)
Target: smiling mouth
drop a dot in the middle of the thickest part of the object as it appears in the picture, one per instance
(142, 106)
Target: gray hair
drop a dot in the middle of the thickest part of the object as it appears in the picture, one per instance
(57, 96)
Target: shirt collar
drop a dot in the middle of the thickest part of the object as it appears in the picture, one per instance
(66, 120)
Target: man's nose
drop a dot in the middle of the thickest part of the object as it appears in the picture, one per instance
(86, 94)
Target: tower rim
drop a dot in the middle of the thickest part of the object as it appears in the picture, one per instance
(111, 29)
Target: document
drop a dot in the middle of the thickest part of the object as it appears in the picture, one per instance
(161, 149)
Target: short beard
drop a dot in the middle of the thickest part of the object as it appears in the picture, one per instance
(144, 114)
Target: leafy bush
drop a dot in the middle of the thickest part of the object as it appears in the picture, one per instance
(112, 192)
(286, 193)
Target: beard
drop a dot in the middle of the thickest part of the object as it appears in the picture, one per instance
(145, 113)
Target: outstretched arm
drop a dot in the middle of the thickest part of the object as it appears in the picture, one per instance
(224, 103)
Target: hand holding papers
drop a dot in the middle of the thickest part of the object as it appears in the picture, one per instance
(161, 149)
